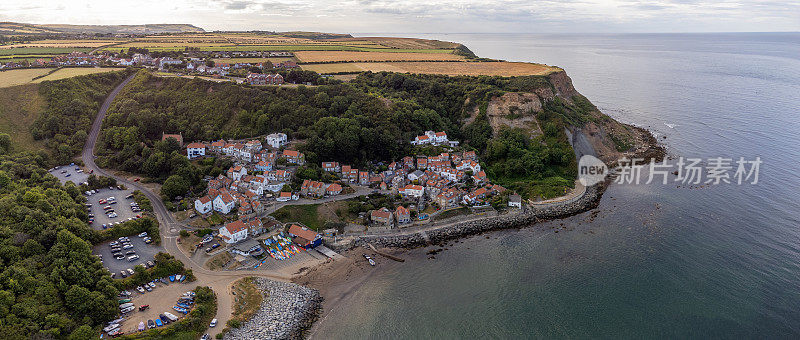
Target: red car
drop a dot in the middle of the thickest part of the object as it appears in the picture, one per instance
(91, 171)
(135, 179)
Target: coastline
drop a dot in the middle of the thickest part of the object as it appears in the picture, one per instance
(286, 312)
(337, 280)
(588, 200)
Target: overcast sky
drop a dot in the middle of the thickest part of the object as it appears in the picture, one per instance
(422, 16)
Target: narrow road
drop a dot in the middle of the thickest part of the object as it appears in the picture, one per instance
(169, 228)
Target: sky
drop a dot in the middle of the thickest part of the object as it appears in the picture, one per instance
(422, 16)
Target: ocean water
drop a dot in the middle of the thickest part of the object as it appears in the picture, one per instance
(653, 260)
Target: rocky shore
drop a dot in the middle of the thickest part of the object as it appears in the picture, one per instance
(286, 312)
(532, 215)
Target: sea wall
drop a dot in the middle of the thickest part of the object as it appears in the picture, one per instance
(589, 200)
(286, 312)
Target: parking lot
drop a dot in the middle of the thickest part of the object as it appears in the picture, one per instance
(145, 251)
(70, 173)
(122, 207)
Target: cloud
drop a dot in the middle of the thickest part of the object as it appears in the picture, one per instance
(423, 15)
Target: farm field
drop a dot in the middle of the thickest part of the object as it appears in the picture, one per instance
(21, 76)
(401, 43)
(252, 60)
(63, 43)
(73, 72)
(41, 50)
(505, 69)
(19, 107)
(305, 47)
(340, 56)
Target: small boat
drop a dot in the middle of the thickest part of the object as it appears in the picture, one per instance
(183, 278)
(141, 326)
(178, 277)
(371, 261)
(172, 278)
(179, 309)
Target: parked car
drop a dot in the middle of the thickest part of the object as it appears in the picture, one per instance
(143, 234)
(140, 289)
(133, 258)
(213, 323)
(123, 273)
(130, 271)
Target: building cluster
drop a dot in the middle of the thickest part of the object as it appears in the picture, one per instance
(192, 64)
(253, 178)
(438, 179)
(434, 138)
(71, 59)
(264, 79)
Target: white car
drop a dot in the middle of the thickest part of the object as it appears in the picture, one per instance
(213, 323)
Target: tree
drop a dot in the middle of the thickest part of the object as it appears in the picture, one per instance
(174, 186)
(5, 143)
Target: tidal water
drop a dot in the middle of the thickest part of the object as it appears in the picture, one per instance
(653, 260)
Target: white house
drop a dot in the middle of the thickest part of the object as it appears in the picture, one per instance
(430, 137)
(274, 186)
(415, 175)
(515, 201)
(469, 164)
(411, 190)
(237, 172)
(194, 150)
(276, 140)
(233, 232)
(224, 203)
(284, 197)
(203, 205)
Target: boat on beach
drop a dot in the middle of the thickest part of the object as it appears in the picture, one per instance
(371, 261)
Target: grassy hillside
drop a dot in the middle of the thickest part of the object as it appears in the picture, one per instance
(19, 108)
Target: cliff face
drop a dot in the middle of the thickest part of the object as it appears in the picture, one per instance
(590, 132)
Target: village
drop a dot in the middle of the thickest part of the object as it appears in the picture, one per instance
(259, 183)
(196, 63)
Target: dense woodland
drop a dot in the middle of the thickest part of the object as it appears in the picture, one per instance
(50, 284)
(72, 104)
(370, 119)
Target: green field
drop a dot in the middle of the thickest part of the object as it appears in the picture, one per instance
(305, 214)
(41, 50)
(74, 72)
(21, 76)
(289, 48)
(19, 107)
(15, 56)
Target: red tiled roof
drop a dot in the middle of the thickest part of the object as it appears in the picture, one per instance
(235, 226)
(302, 232)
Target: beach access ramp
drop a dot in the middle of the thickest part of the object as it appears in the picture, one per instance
(327, 252)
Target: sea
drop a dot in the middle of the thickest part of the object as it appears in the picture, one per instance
(675, 260)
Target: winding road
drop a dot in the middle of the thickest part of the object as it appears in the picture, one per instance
(219, 281)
